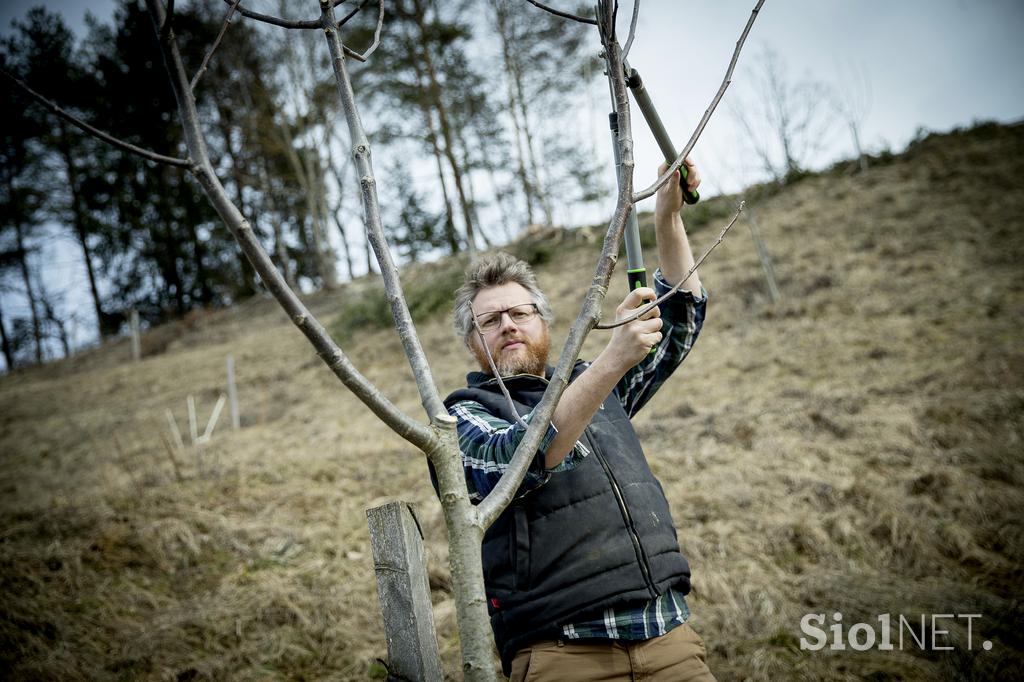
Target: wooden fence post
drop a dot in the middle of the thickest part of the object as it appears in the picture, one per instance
(133, 325)
(233, 395)
(763, 256)
(401, 568)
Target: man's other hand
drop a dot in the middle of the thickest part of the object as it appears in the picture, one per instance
(631, 342)
(670, 197)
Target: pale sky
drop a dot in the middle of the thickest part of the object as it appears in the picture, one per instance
(932, 64)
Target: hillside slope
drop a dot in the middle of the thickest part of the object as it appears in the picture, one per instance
(853, 448)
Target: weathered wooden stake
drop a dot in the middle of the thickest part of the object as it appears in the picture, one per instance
(214, 416)
(401, 568)
(233, 395)
(133, 322)
(193, 427)
(174, 430)
(763, 256)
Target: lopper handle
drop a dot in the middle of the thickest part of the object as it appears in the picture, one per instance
(643, 100)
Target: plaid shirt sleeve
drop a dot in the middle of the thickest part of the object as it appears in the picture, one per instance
(488, 442)
(682, 316)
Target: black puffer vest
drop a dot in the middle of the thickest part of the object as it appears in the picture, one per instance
(595, 537)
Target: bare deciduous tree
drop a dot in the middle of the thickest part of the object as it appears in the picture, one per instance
(786, 122)
(436, 438)
(853, 102)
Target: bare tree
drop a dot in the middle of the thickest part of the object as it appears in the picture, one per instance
(785, 121)
(436, 438)
(853, 102)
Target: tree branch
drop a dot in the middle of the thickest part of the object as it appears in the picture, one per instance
(353, 12)
(376, 32)
(674, 166)
(294, 24)
(96, 132)
(671, 292)
(169, 20)
(429, 395)
(632, 29)
(216, 43)
(276, 21)
(416, 433)
(501, 495)
(564, 15)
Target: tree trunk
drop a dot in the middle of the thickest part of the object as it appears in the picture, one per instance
(862, 159)
(501, 15)
(267, 193)
(336, 209)
(463, 150)
(428, 117)
(465, 560)
(442, 118)
(248, 275)
(54, 321)
(168, 263)
(325, 261)
(545, 203)
(280, 247)
(30, 294)
(317, 215)
(6, 343)
(198, 251)
(78, 221)
(449, 222)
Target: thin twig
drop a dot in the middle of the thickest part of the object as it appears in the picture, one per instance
(673, 290)
(632, 29)
(564, 15)
(355, 11)
(494, 369)
(276, 21)
(216, 43)
(640, 196)
(96, 132)
(376, 33)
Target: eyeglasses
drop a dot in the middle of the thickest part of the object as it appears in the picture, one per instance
(519, 314)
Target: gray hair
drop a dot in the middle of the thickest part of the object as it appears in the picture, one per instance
(492, 271)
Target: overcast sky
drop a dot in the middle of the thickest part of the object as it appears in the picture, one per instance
(931, 64)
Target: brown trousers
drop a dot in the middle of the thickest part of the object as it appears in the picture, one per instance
(679, 656)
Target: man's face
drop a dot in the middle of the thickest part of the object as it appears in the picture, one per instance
(517, 348)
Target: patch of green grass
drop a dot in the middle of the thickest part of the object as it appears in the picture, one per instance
(784, 640)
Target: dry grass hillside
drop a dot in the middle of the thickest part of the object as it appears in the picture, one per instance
(853, 448)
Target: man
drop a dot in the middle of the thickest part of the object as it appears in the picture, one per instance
(583, 572)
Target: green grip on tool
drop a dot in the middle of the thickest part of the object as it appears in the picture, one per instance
(637, 278)
(688, 196)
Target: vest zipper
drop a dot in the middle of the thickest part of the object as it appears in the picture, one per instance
(633, 535)
(645, 567)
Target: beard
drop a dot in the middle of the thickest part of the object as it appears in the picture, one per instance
(531, 358)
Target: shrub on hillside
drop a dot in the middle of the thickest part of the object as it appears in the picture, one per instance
(428, 289)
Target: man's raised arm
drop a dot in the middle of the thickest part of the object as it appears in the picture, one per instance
(673, 247)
